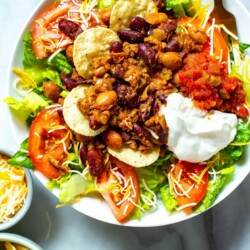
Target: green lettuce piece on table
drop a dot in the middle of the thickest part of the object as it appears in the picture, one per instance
(21, 158)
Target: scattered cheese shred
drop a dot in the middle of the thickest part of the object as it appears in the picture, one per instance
(13, 189)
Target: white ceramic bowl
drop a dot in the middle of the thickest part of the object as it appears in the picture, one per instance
(24, 209)
(93, 207)
(20, 240)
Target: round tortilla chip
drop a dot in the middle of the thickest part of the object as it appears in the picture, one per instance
(74, 118)
(124, 10)
(89, 45)
(135, 158)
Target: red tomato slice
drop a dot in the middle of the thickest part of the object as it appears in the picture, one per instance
(220, 46)
(188, 176)
(48, 138)
(120, 188)
(46, 37)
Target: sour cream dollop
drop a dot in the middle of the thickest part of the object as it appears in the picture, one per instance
(196, 135)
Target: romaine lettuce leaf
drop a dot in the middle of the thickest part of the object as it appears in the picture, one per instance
(73, 185)
(169, 201)
(212, 192)
(31, 104)
(242, 136)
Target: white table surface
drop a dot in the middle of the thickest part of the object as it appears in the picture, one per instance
(226, 226)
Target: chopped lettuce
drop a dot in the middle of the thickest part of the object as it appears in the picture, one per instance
(243, 47)
(151, 179)
(212, 192)
(177, 6)
(31, 104)
(21, 158)
(169, 201)
(72, 185)
(29, 58)
(242, 136)
(105, 4)
(60, 63)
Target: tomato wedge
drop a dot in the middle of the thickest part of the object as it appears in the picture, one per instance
(191, 181)
(48, 140)
(219, 44)
(119, 187)
(46, 37)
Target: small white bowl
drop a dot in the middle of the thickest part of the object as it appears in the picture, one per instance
(20, 240)
(21, 213)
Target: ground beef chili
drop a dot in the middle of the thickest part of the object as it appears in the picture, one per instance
(153, 60)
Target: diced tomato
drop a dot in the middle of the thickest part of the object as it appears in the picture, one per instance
(120, 188)
(193, 180)
(48, 140)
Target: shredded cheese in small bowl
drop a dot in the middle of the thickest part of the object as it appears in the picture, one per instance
(15, 193)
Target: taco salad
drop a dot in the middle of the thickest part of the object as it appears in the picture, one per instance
(138, 101)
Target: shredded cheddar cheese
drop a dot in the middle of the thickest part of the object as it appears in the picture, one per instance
(13, 189)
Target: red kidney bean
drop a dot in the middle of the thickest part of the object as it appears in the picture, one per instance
(173, 45)
(147, 54)
(95, 162)
(130, 36)
(70, 83)
(94, 124)
(162, 97)
(69, 28)
(125, 136)
(159, 4)
(127, 96)
(83, 154)
(139, 24)
(116, 47)
(60, 112)
(141, 132)
(170, 27)
(80, 80)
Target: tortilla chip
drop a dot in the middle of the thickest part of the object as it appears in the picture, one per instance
(135, 158)
(90, 44)
(74, 118)
(124, 10)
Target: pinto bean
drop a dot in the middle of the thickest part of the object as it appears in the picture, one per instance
(170, 60)
(69, 28)
(130, 36)
(156, 18)
(51, 90)
(197, 34)
(105, 15)
(112, 139)
(147, 54)
(106, 100)
(95, 162)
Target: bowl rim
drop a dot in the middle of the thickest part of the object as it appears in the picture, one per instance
(24, 209)
(19, 239)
